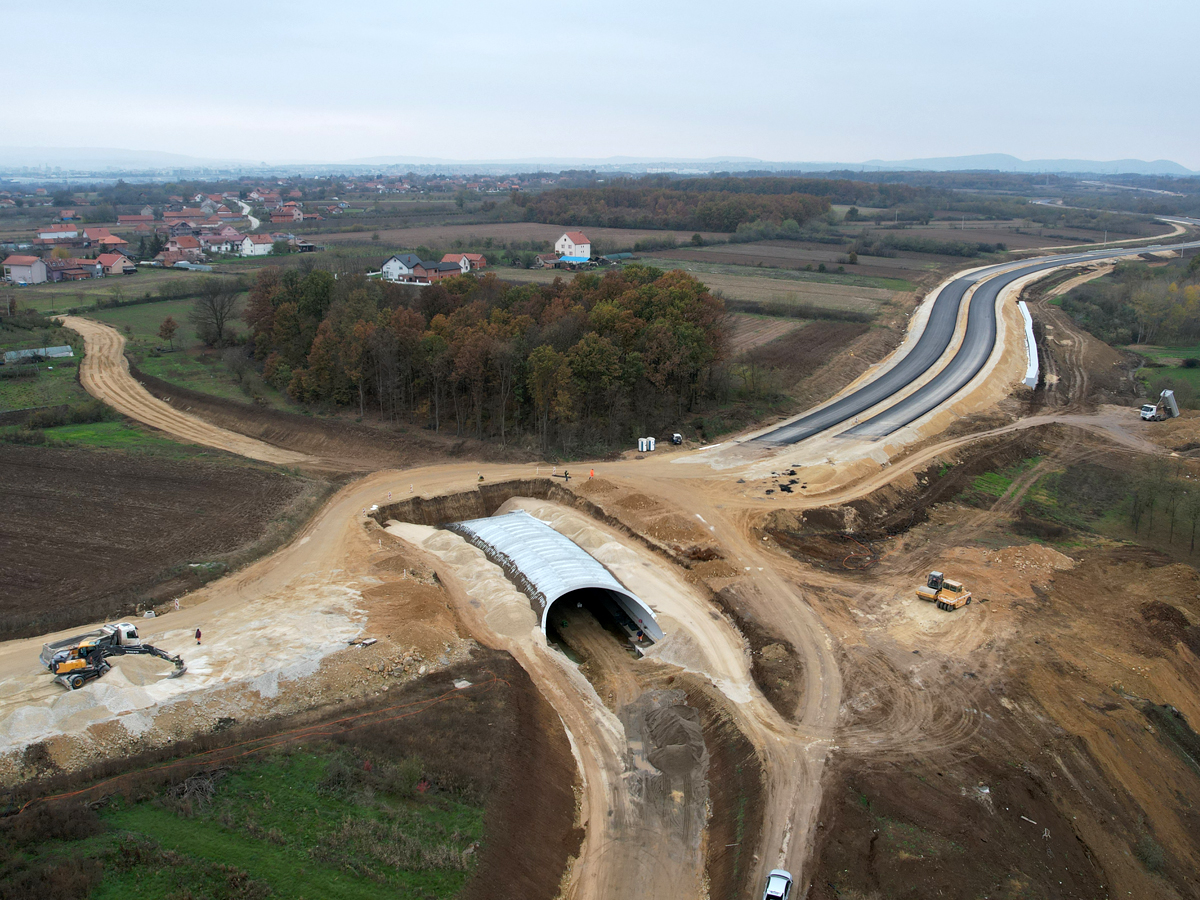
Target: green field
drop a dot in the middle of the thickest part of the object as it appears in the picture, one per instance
(307, 822)
(144, 319)
(700, 269)
(53, 386)
(1154, 352)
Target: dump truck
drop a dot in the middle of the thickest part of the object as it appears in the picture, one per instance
(947, 594)
(77, 660)
(1165, 408)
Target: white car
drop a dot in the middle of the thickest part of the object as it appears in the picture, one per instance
(779, 885)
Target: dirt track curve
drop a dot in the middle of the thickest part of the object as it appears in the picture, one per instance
(616, 858)
(104, 373)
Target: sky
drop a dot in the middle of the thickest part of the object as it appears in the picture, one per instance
(839, 81)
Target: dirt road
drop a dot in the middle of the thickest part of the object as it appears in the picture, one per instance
(104, 373)
(305, 601)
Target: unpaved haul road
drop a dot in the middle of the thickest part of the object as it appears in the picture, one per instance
(104, 373)
(617, 858)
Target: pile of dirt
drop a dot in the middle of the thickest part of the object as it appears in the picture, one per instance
(131, 525)
(1170, 626)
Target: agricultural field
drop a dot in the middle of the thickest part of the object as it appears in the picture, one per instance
(750, 330)
(451, 237)
(895, 272)
(191, 505)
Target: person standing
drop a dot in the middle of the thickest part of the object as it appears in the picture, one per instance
(197, 636)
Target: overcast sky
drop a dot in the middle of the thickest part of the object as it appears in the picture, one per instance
(797, 81)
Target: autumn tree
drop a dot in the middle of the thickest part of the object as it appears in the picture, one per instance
(166, 331)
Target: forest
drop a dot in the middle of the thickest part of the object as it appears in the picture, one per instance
(585, 363)
(1137, 304)
(683, 205)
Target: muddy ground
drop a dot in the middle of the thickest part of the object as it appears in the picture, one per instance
(1037, 743)
(90, 534)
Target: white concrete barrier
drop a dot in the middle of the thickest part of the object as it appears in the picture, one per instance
(1031, 373)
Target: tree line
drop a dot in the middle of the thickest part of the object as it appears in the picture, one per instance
(630, 205)
(588, 362)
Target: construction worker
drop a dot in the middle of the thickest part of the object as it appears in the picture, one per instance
(591, 474)
(197, 636)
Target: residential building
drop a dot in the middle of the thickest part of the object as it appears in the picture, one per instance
(25, 270)
(458, 259)
(104, 238)
(58, 232)
(257, 245)
(408, 268)
(117, 264)
(186, 244)
(73, 269)
(400, 267)
(545, 261)
(472, 260)
(574, 246)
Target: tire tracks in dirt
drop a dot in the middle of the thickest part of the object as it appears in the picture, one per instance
(104, 373)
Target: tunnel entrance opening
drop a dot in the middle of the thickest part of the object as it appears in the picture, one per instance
(577, 617)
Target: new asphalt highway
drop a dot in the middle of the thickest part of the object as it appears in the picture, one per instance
(972, 353)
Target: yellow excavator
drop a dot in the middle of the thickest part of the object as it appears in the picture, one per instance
(948, 595)
(77, 660)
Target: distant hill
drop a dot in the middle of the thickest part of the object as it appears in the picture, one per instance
(116, 161)
(1004, 163)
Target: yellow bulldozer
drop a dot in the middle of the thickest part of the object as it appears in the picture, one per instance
(948, 595)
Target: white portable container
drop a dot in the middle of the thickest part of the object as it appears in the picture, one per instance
(651, 443)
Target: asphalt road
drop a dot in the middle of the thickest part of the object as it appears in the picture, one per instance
(972, 354)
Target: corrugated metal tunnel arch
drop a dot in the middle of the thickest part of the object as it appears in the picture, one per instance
(547, 566)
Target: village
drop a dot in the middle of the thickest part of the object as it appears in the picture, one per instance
(192, 231)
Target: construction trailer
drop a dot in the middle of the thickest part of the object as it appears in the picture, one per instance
(1165, 408)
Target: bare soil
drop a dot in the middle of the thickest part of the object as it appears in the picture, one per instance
(89, 534)
(753, 331)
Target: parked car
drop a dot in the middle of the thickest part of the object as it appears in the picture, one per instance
(779, 885)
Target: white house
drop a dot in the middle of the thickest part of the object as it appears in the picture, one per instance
(24, 270)
(257, 245)
(58, 232)
(574, 246)
(400, 266)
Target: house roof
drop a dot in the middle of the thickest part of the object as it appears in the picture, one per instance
(573, 259)
(21, 260)
(186, 241)
(577, 237)
(57, 227)
(260, 239)
(405, 259)
(443, 267)
(454, 257)
(111, 259)
(474, 257)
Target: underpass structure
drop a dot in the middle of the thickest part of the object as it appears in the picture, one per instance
(547, 567)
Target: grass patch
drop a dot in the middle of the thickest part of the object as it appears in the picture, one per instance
(985, 489)
(908, 841)
(53, 385)
(318, 821)
(144, 319)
